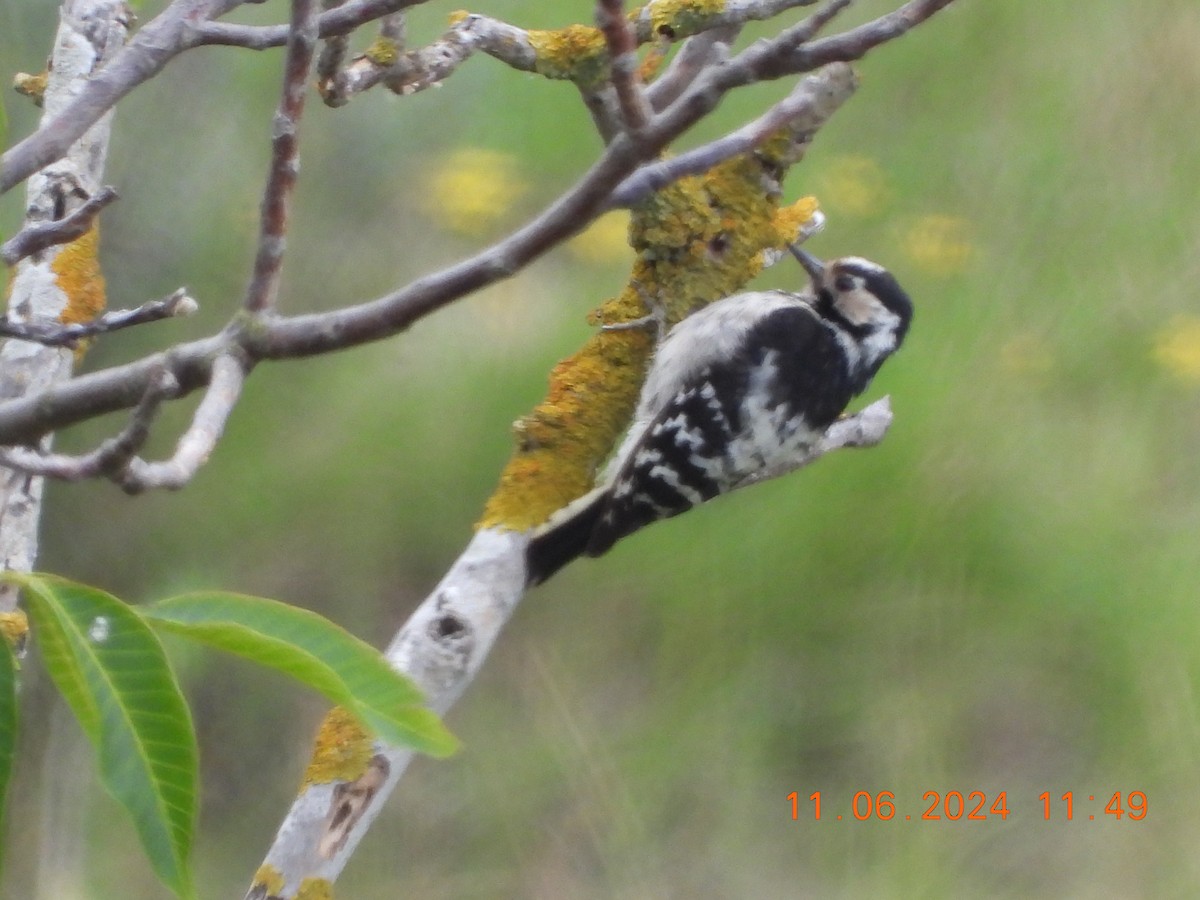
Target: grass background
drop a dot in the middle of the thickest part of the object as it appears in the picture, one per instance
(1002, 597)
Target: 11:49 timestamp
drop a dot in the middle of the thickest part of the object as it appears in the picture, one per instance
(975, 806)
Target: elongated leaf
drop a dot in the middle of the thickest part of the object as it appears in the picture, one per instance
(312, 650)
(112, 671)
(8, 722)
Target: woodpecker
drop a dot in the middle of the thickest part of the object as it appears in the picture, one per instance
(748, 383)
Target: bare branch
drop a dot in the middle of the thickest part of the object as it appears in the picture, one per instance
(623, 64)
(285, 160)
(442, 647)
(330, 62)
(37, 237)
(184, 24)
(808, 106)
(198, 442)
(112, 457)
(26, 418)
(849, 45)
(147, 52)
(696, 54)
(57, 334)
(417, 70)
(341, 20)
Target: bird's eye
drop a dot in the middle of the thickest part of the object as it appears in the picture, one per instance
(844, 283)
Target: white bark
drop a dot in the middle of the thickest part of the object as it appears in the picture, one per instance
(90, 32)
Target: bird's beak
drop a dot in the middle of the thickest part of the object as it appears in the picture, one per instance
(813, 266)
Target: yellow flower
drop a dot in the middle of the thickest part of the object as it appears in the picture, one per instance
(854, 186)
(939, 244)
(472, 189)
(604, 241)
(1177, 348)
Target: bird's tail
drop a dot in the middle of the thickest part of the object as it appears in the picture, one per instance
(565, 537)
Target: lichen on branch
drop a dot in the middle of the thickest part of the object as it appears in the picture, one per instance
(698, 240)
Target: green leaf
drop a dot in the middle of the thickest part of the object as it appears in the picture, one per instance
(8, 722)
(112, 671)
(315, 651)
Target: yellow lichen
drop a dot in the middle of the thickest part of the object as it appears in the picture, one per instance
(76, 267)
(342, 750)
(577, 53)
(315, 889)
(683, 17)
(458, 15)
(654, 60)
(697, 240)
(14, 626)
(790, 219)
(31, 86)
(383, 52)
(270, 879)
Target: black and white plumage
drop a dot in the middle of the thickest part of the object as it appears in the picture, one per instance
(742, 386)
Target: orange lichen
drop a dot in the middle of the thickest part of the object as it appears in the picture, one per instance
(76, 268)
(697, 240)
(342, 752)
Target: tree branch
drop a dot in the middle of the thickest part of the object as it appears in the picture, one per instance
(623, 64)
(36, 237)
(112, 457)
(198, 442)
(150, 49)
(284, 338)
(285, 161)
(65, 281)
(56, 334)
(441, 648)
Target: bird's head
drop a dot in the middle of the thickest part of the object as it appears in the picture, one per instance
(863, 299)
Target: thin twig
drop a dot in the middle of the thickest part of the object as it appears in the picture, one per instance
(804, 55)
(342, 20)
(394, 27)
(623, 64)
(417, 70)
(58, 334)
(199, 441)
(800, 104)
(144, 56)
(24, 419)
(330, 61)
(35, 238)
(285, 160)
(112, 457)
(696, 54)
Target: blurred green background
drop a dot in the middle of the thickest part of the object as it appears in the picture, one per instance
(1002, 597)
